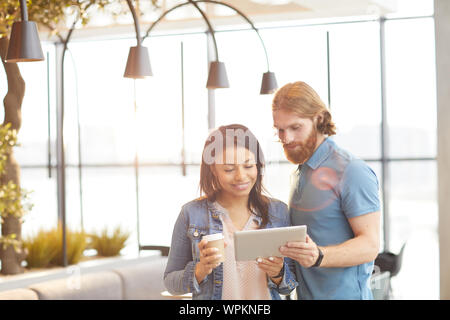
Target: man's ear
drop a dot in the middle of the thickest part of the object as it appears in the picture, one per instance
(319, 119)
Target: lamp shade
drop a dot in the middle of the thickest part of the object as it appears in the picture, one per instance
(269, 83)
(138, 63)
(24, 44)
(217, 77)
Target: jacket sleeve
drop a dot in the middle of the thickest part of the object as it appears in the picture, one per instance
(179, 273)
(289, 281)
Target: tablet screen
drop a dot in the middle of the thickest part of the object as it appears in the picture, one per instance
(253, 244)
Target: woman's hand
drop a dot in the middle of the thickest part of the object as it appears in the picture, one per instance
(272, 267)
(208, 261)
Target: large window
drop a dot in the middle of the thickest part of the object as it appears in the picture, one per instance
(345, 71)
(411, 121)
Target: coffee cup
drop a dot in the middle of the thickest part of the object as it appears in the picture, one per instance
(216, 241)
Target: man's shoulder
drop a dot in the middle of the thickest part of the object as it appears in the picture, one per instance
(344, 160)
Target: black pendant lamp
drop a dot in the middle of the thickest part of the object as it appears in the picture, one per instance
(138, 63)
(217, 77)
(24, 44)
(269, 83)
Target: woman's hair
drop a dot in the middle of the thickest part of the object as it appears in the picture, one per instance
(300, 98)
(233, 135)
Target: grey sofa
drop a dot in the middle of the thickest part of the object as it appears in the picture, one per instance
(131, 282)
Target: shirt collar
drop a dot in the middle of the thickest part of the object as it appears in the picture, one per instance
(321, 153)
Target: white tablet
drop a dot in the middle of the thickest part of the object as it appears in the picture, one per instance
(253, 244)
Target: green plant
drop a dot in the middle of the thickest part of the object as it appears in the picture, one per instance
(41, 250)
(8, 139)
(76, 244)
(109, 244)
(14, 204)
(14, 201)
(45, 248)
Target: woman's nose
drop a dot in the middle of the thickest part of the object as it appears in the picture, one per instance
(238, 175)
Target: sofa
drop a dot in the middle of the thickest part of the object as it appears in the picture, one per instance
(136, 281)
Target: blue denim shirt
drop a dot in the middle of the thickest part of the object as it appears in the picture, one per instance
(198, 218)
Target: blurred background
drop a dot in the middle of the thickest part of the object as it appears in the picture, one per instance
(378, 77)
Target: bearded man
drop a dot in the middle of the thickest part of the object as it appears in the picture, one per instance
(333, 193)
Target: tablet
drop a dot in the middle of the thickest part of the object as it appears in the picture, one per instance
(253, 244)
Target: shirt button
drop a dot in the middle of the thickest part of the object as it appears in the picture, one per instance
(195, 234)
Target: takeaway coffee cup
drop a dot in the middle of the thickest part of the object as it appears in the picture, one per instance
(216, 241)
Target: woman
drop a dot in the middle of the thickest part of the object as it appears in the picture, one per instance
(231, 179)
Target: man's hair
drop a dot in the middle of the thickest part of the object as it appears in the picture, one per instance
(300, 98)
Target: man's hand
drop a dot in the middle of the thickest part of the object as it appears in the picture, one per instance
(305, 253)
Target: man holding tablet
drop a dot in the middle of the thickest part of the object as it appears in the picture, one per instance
(334, 194)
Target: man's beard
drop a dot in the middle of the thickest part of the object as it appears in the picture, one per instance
(303, 151)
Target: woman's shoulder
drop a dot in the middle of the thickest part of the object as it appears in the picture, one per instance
(194, 205)
(276, 204)
(278, 213)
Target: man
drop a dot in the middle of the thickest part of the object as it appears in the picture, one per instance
(334, 193)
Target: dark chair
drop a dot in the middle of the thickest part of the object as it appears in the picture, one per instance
(390, 262)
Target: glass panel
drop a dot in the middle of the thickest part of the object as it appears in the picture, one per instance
(109, 200)
(94, 82)
(195, 96)
(410, 8)
(163, 191)
(109, 128)
(411, 88)
(160, 100)
(304, 58)
(355, 87)
(414, 220)
(33, 134)
(277, 180)
(44, 213)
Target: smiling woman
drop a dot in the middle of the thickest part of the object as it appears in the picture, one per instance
(231, 179)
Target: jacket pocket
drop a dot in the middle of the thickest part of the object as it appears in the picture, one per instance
(195, 234)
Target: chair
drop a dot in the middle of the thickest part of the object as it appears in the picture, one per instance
(390, 262)
(380, 285)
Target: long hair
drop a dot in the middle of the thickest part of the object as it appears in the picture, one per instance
(300, 98)
(235, 135)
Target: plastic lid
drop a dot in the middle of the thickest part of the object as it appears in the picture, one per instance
(213, 237)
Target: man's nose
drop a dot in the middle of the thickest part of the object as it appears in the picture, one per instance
(287, 137)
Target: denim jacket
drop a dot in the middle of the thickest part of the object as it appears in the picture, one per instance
(198, 218)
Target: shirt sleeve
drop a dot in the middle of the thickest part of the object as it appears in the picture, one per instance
(359, 190)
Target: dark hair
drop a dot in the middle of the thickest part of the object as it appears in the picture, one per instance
(240, 136)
